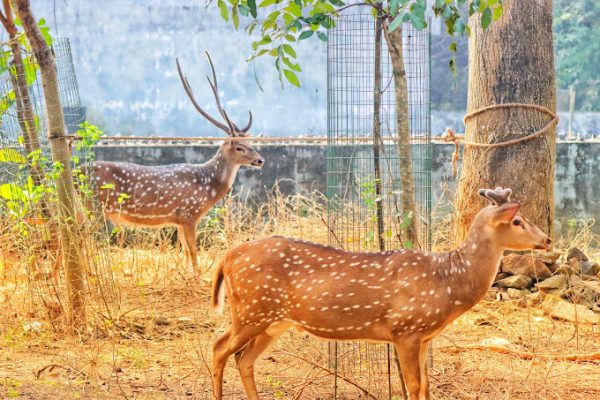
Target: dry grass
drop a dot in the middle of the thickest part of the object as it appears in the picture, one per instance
(157, 345)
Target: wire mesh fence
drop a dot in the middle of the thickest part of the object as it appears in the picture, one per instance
(368, 174)
(28, 193)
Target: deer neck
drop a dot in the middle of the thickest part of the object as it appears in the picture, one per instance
(475, 265)
(222, 171)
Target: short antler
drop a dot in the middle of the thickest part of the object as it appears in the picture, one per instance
(230, 127)
(496, 196)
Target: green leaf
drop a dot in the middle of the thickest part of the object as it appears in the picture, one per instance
(486, 18)
(266, 3)
(11, 156)
(235, 17)
(11, 191)
(322, 36)
(396, 22)
(459, 27)
(291, 65)
(305, 35)
(497, 12)
(223, 9)
(418, 21)
(289, 50)
(252, 6)
(291, 77)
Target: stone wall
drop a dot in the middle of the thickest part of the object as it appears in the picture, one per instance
(302, 168)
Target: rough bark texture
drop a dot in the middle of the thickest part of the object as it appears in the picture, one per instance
(407, 197)
(377, 132)
(510, 62)
(60, 153)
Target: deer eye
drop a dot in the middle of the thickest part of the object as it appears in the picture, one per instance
(239, 149)
(517, 222)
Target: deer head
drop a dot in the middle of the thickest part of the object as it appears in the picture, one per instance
(235, 151)
(503, 220)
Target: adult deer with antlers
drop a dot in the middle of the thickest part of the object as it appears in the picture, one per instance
(406, 297)
(180, 194)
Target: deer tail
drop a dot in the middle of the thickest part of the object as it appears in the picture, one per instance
(218, 291)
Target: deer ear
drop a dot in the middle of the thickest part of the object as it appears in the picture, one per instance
(505, 213)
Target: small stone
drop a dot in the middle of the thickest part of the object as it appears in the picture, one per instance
(570, 268)
(554, 282)
(547, 258)
(532, 299)
(525, 264)
(577, 254)
(162, 321)
(502, 275)
(563, 310)
(491, 294)
(515, 281)
(517, 294)
(590, 268)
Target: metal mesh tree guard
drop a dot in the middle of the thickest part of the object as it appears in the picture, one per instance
(365, 166)
(28, 198)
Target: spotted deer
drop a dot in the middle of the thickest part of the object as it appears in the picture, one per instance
(181, 194)
(405, 297)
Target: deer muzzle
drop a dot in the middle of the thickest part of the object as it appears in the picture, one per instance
(258, 163)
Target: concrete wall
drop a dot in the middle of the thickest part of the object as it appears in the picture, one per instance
(302, 168)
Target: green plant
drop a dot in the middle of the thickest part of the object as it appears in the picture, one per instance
(288, 22)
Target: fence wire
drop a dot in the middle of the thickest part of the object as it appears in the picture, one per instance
(364, 190)
(30, 245)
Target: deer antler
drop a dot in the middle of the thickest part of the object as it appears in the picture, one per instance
(496, 196)
(231, 128)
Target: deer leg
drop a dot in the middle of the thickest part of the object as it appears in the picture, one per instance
(189, 236)
(182, 243)
(247, 357)
(409, 354)
(229, 343)
(423, 358)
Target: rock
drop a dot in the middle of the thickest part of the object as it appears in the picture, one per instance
(577, 254)
(532, 300)
(517, 294)
(185, 323)
(563, 310)
(162, 321)
(524, 264)
(590, 268)
(502, 275)
(491, 294)
(583, 292)
(570, 268)
(515, 281)
(547, 258)
(554, 282)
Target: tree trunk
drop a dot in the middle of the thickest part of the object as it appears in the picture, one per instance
(408, 231)
(60, 153)
(377, 133)
(510, 62)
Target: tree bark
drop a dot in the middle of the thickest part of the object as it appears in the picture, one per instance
(408, 216)
(377, 133)
(61, 154)
(510, 62)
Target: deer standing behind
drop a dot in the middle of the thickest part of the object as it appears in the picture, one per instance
(406, 297)
(180, 194)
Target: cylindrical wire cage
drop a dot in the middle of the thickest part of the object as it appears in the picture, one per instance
(364, 166)
(28, 195)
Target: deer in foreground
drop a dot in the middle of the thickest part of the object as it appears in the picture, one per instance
(180, 194)
(406, 297)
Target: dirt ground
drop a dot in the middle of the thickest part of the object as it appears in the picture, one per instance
(159, 347)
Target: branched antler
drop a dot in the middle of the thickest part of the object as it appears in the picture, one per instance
(230, 127)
